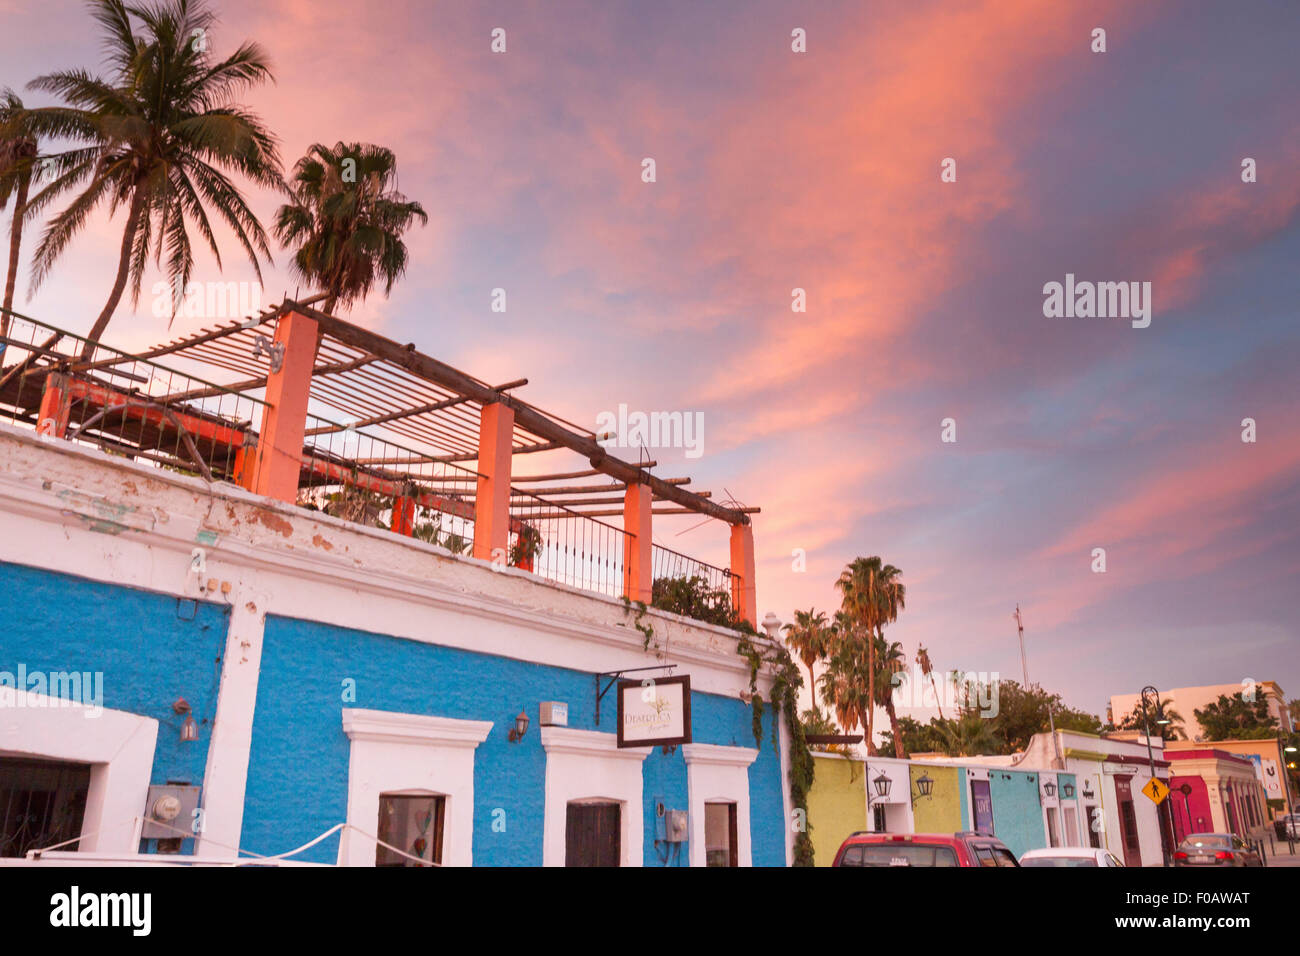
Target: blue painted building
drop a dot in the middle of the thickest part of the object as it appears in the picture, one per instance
(350, 682)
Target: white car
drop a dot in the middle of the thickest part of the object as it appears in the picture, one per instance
(1069, 856)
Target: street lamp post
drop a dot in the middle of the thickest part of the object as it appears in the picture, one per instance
(1151, 762)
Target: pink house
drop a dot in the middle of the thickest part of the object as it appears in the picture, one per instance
(1215, 791)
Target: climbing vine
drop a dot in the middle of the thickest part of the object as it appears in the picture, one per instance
(647, 632)
(786, 681)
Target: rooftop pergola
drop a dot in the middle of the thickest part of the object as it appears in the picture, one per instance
(320, 402)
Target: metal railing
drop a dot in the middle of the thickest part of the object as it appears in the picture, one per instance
(100, 396)
(692, 587)
(352, 474)
(134, 407)
(562, 545)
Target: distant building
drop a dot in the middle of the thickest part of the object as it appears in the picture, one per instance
(1188, 700)
(1216, 792)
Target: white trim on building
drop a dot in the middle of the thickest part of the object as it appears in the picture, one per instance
(118, 745)
(716, 774)
(409, 754)
(583, 765)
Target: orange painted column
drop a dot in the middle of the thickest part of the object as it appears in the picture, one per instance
(56, 405)
(245, 463)
(404, 515)
(492, 501)
(284, 420)
(744, 597)
(638, 580)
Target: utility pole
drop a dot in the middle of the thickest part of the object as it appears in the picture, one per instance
(1058, 763)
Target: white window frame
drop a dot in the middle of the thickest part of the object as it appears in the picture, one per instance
(717, 774)
(410, 754)
(587, 765)
(118, 745)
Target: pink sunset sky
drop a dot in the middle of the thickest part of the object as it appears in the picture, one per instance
(778, 170)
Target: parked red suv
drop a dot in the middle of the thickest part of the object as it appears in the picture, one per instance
(923, 849)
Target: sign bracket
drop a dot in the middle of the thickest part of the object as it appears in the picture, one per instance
(614, 677)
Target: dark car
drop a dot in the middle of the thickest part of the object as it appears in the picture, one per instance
(1216, 849)
(923, 849)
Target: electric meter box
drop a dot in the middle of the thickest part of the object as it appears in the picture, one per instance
(554, 713)
(675, 826)
(173, 804)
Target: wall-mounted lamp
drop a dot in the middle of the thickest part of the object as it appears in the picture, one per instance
(924, 786)
(190, 726)
(1087, 790)
(882, 785)
(1068, 791)
(519, 729)
(1049, 788)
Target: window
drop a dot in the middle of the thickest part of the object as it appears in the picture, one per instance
(1053, 833)
(1070, 819)
(1004, 857)
(42, 802)
(413, 824)
(717, 796)
(984, 856)
(1094, 823)
(1128, 824)
(592, 834)
(720, 834)
(419, 767)
(880, 822)
(898, 854)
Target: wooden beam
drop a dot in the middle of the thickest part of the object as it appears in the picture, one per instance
(617, 512)
(407, 412)
(575, 474)
(525, 416)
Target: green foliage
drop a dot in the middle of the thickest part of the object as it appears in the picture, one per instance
(647, 631)
(692, 597)
(347, 219)
(916, 736)
(156, 137)
(431, 531)
(527, 546)
(1233, 718)
(1170, 731)
(786, 681)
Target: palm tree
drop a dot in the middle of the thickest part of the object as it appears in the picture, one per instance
(970, 735)
(1173, 729)
(844, 688)
(927, 670)
(156, 138)
(871, 597)
(810, 637)
(347, 219)
(859, 601)
(18, 154)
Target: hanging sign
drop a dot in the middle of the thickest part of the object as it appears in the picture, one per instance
(654, 712)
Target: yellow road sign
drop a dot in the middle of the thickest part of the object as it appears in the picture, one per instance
(1156, 790)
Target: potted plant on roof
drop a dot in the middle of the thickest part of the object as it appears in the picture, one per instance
(527, 546)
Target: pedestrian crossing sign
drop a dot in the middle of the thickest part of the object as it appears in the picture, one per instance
(1156, 790)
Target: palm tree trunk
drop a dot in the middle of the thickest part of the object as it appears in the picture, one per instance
(893, 727)
(15, 242)
(871, 693)
(938, 701)
(123, 267)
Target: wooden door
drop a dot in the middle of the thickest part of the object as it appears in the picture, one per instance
(1128, 829)
(593, 834)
